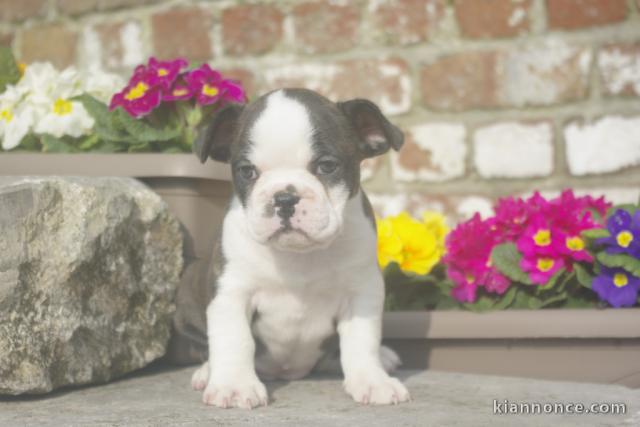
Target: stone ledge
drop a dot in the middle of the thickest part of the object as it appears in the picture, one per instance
(162, 396)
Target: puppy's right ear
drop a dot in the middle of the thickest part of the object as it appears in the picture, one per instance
(215, 137)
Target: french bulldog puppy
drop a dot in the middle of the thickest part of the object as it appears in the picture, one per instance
(299, 249)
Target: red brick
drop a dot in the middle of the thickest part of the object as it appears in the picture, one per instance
(492, 18)
(546, 74)
(574, 14)
(18, 10)
(182, 33)
(619, 66)
(408, 21)
(78, 7)
(461, 82)
(244, 76)
(384, 81)
(6, 39)
(322, 27)
(251, 29)
(53, 42)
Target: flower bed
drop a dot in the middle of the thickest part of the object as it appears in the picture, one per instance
(533, 253)
(158, 110)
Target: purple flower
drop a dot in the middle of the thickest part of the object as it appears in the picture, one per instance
(625, 234)
(616, 286)
(139, 97)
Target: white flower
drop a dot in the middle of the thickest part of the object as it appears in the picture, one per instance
(16, 118)
(102, 85)
(65, 118)
(49, 93)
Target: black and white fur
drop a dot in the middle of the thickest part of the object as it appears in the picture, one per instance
(299, 244)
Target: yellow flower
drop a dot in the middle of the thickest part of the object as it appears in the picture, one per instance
(389, 243)
(22, 67)
(416, 246)
(437, 224)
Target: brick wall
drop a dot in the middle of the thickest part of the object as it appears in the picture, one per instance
(497, 96)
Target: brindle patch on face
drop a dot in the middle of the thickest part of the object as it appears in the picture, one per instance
(333, 137)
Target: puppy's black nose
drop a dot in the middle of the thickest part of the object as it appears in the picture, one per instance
(285, 201)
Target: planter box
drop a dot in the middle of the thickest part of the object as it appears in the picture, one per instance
(580, 345)
(586, 345)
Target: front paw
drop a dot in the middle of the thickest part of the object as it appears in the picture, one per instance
(377, 389)
(245, 393)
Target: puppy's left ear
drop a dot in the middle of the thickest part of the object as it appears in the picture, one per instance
(375, 132)
(215, 137)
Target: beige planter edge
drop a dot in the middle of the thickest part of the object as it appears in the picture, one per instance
(580, 345)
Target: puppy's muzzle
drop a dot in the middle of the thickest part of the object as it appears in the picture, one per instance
(285, 202)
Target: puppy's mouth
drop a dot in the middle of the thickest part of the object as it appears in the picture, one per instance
(287, 228)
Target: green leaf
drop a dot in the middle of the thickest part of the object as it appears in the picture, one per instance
(105, 127)
(552, 281)
(627, 262)
(506, 258)
(534, 303)
(553, 299)
(583, 276)
(51, 144)
(507, 299)
(140, 147)
(9, 72)
(142, 131)
(483, 303)
(595, 233)
(89, 142)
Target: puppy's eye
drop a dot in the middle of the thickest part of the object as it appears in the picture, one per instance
(248, 172)
(327, 166)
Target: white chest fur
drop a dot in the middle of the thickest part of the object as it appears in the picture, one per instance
(291, 327)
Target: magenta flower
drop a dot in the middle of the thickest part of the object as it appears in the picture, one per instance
(541, 268)
(539, 238)
(468, 251)
(139, 97)
(206, 84)
(164, 73)
(233, 91)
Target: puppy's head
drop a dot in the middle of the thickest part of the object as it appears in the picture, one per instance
(295, 158)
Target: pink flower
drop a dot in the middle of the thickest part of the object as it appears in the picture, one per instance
(540, 238)
(233, 91)
(179, 92)
(541, 268)
(164, 73)
(208, 86)
(468, 249)
(466, 286)
(139, 97)
(205, 83)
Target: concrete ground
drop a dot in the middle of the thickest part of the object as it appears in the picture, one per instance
(162, 396)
